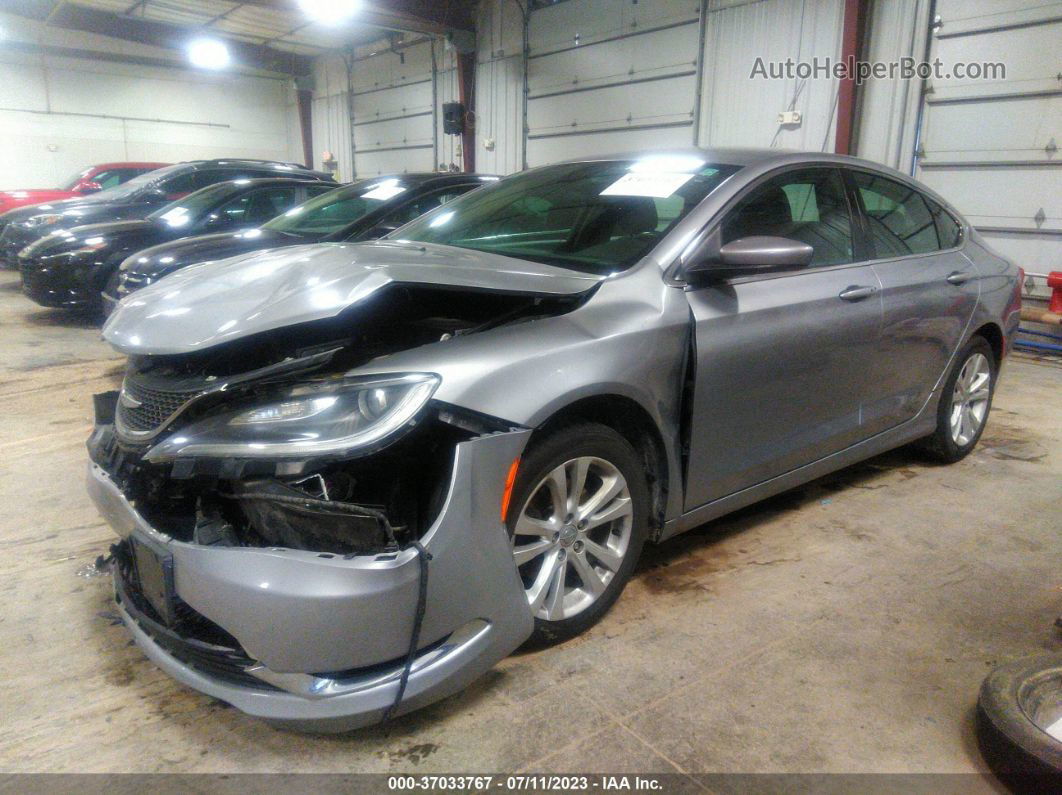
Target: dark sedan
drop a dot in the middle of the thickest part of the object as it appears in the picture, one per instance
(135, 199)
(70, 267)
(364, 210)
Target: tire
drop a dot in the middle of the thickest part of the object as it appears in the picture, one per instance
(596, 546)
(1019, 751)
(944, 444)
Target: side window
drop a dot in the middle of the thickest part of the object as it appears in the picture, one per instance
(269, 203)
(180, 185)
(110, 179)
(808, 206)
(948, 229)
(417, 207)
(231, 213)
(898, 217)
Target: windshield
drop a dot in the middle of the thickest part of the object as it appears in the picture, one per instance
(186, 210)
(336, 209)
(597, 217)
(71, 183)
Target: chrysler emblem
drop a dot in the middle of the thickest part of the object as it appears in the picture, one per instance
(129, 401)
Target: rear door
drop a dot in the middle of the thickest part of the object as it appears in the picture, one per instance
(929, 293)
(782, 361)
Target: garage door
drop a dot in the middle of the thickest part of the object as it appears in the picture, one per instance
(605, 76)
(393, 124)
(991, 146)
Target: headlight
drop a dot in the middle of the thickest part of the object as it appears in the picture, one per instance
(308, 420)
(43, 220)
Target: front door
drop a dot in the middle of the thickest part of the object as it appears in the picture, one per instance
(782, 361)
(929, 293)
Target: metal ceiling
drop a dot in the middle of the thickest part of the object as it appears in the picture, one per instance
(270, 34)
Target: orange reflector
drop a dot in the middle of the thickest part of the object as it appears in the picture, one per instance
(510, 479)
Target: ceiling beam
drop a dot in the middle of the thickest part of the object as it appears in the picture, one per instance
(434, 17)
(155, 34)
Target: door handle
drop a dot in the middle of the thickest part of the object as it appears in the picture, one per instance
(958, 277)
(856, 293)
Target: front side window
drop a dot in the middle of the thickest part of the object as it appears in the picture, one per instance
(336, 209)
(187, 210)
(898, 217)
(807, 205)
(598, 217)
(417, 208)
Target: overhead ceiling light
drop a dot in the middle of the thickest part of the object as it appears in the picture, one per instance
(208, 53)
(330, 12)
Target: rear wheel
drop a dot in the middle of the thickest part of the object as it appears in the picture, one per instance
(577, 524)
(965, 401)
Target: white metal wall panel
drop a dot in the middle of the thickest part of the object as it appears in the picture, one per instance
(60, 115)
(885, 124)
(738, 110)
(553, 150)
(499, 87)
(392, 124)
(991, 147)
(598, 68)
(331, 115)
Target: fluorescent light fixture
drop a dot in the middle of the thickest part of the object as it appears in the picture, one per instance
(208, 53)
(330, 12)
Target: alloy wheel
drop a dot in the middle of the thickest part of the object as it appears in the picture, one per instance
(969, 400)
(572, 535)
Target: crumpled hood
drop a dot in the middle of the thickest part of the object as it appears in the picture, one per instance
(211, 303)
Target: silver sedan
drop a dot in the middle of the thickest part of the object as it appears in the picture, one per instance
(349, 478)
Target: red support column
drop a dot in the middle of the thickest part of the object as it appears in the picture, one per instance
(466, 78)
(304, 98)
(851, 48)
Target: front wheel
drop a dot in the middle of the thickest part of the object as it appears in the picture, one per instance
(965, 401)
(577, 522)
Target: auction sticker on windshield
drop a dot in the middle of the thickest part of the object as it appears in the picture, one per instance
(659, 185)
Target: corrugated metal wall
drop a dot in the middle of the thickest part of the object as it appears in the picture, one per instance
(606, 76)
(741, 111)
(888, 109)
(499, 88)
(331, 115)
(992, 146)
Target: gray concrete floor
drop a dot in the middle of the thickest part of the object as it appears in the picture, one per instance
(844, 627)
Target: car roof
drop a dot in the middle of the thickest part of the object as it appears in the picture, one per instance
(741, 156)
(265, 182)
(128, 164)
(421, 177)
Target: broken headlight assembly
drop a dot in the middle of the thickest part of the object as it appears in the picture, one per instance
(309, 419)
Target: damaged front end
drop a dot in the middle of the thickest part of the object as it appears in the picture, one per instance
(311, 546)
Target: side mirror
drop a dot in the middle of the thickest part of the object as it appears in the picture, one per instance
(747, 256)
(90, 187)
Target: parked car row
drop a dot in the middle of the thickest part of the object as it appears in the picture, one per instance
(87, 253)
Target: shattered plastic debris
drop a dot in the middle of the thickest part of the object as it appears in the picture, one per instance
(100, 567)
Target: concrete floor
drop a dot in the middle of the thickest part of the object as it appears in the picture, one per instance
(844, 627)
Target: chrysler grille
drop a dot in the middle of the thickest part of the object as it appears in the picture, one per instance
(143, 410)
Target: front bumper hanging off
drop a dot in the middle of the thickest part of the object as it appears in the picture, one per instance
(322, 638)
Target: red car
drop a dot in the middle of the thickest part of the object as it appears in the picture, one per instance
(91, 180)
